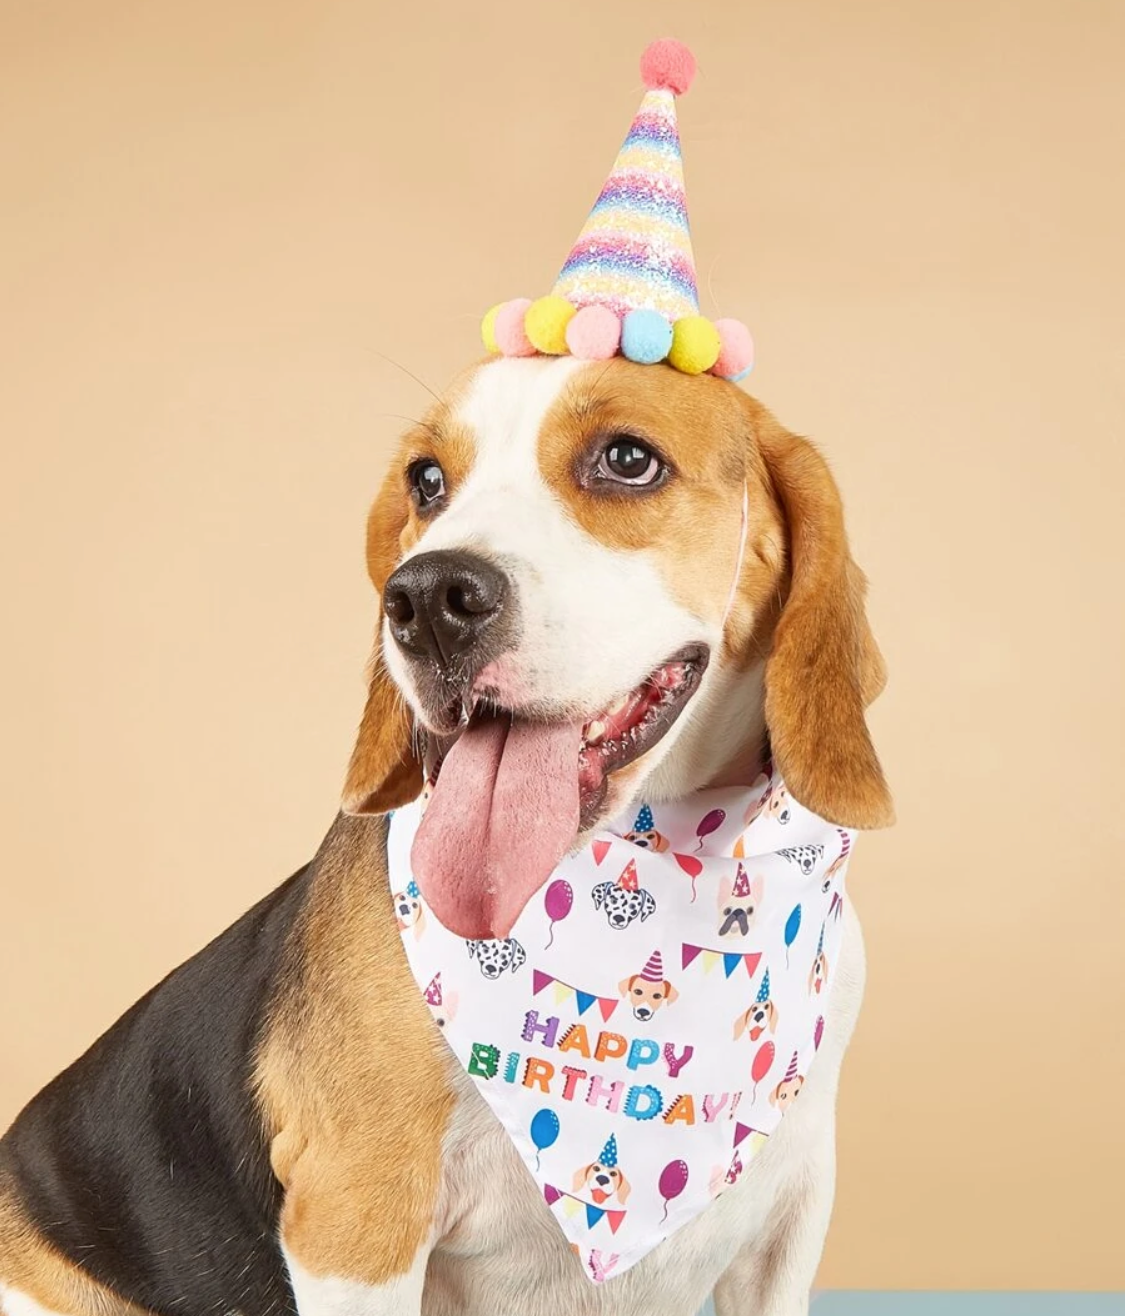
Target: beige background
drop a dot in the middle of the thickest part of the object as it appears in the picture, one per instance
(217, 219)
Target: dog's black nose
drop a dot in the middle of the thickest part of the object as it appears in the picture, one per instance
(440, 604)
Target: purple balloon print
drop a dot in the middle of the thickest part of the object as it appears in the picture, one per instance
(708, 824)
(673, 1181)
(557, 901)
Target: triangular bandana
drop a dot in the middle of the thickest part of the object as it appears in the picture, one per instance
(639, 1063)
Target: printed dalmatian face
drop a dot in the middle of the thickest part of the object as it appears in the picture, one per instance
(786, 1093)
(602, 1182)
(645, 997)
(496, 954)
(806, 857)
(622, 906)
(651, 840)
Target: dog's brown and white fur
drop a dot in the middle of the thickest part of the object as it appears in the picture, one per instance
(396, 1190)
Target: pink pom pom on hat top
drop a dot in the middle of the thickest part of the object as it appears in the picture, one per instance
(628, 286)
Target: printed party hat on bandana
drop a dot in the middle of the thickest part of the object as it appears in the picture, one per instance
(742, 887)
(609, 1154)
(644, 820)
(433, 991)
(654, 970)
(628, 286)
(764, 989)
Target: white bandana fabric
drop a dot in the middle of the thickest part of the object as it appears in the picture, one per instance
(655, 1010)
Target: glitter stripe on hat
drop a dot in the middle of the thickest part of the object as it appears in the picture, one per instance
(658, 272)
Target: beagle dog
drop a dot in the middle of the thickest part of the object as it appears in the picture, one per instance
(566, 627)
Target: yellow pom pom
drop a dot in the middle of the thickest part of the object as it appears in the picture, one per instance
(546, 324)
(489, 328)
(695, 345)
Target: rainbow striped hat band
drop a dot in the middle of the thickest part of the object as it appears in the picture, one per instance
(629, 285)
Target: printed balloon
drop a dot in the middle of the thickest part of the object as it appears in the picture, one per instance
(708, 824)
(764, 1058)
(818, 1031)
(673, 1181)
(557, 901)
(792, 925)
(690, 865)
(545, 1128)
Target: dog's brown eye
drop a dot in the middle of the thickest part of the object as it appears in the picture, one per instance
(427, 482)
(626, 461)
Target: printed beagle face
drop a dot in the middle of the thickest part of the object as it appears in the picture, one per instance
(787, 1092)
(408, 910)
(819, 974)
(645, 997)
(568, 619)
(762, 1017)
(652, 840)
(604, 1183)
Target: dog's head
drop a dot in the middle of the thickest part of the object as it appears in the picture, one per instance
(622, 905)
(759, 1018)
(602, 1182)
(738, 900)
(650, 840)
(408, 909)
(646, 997)
(567, 620)
(495, 954)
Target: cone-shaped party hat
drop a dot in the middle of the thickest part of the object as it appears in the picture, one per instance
(628, 286)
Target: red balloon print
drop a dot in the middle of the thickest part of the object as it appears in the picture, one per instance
(692, 866)
(760, 1067)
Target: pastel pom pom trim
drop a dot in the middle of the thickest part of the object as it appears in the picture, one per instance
(553, 326)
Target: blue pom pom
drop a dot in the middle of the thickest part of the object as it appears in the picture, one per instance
(646, 337)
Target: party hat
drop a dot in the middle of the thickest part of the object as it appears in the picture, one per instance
(433, 991)
(764, 989)
(644, 820)
(412, 889)
(628, 879)
(609, 1155)
(654, 970)
(791, 1069)
(628, 286)
(742, 887)
(821, 940)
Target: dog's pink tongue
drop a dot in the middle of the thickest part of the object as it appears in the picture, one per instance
(504, 811)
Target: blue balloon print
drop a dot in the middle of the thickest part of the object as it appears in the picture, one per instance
(792, 925)
(545, 1129)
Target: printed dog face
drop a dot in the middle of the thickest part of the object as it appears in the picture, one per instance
(557, 551)
(737, 912)
(819, 974)
(775, 803)
(604, 1183)
(645, 997)
(408, 912)
(496, 954)
(447, 1011)
(806, 857)
(652, 840)
(760, 1018)
(786, 1093)
(622, 906)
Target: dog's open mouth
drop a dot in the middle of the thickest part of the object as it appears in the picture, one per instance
(511, 793)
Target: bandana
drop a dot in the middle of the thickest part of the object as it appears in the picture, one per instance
(655, 1011)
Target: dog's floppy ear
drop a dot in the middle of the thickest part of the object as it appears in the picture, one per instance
(384, 772)
(824, 667)
(624, 1189)
(626, 986)
(670, 992)
(580, 1178)
(742, 1023)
